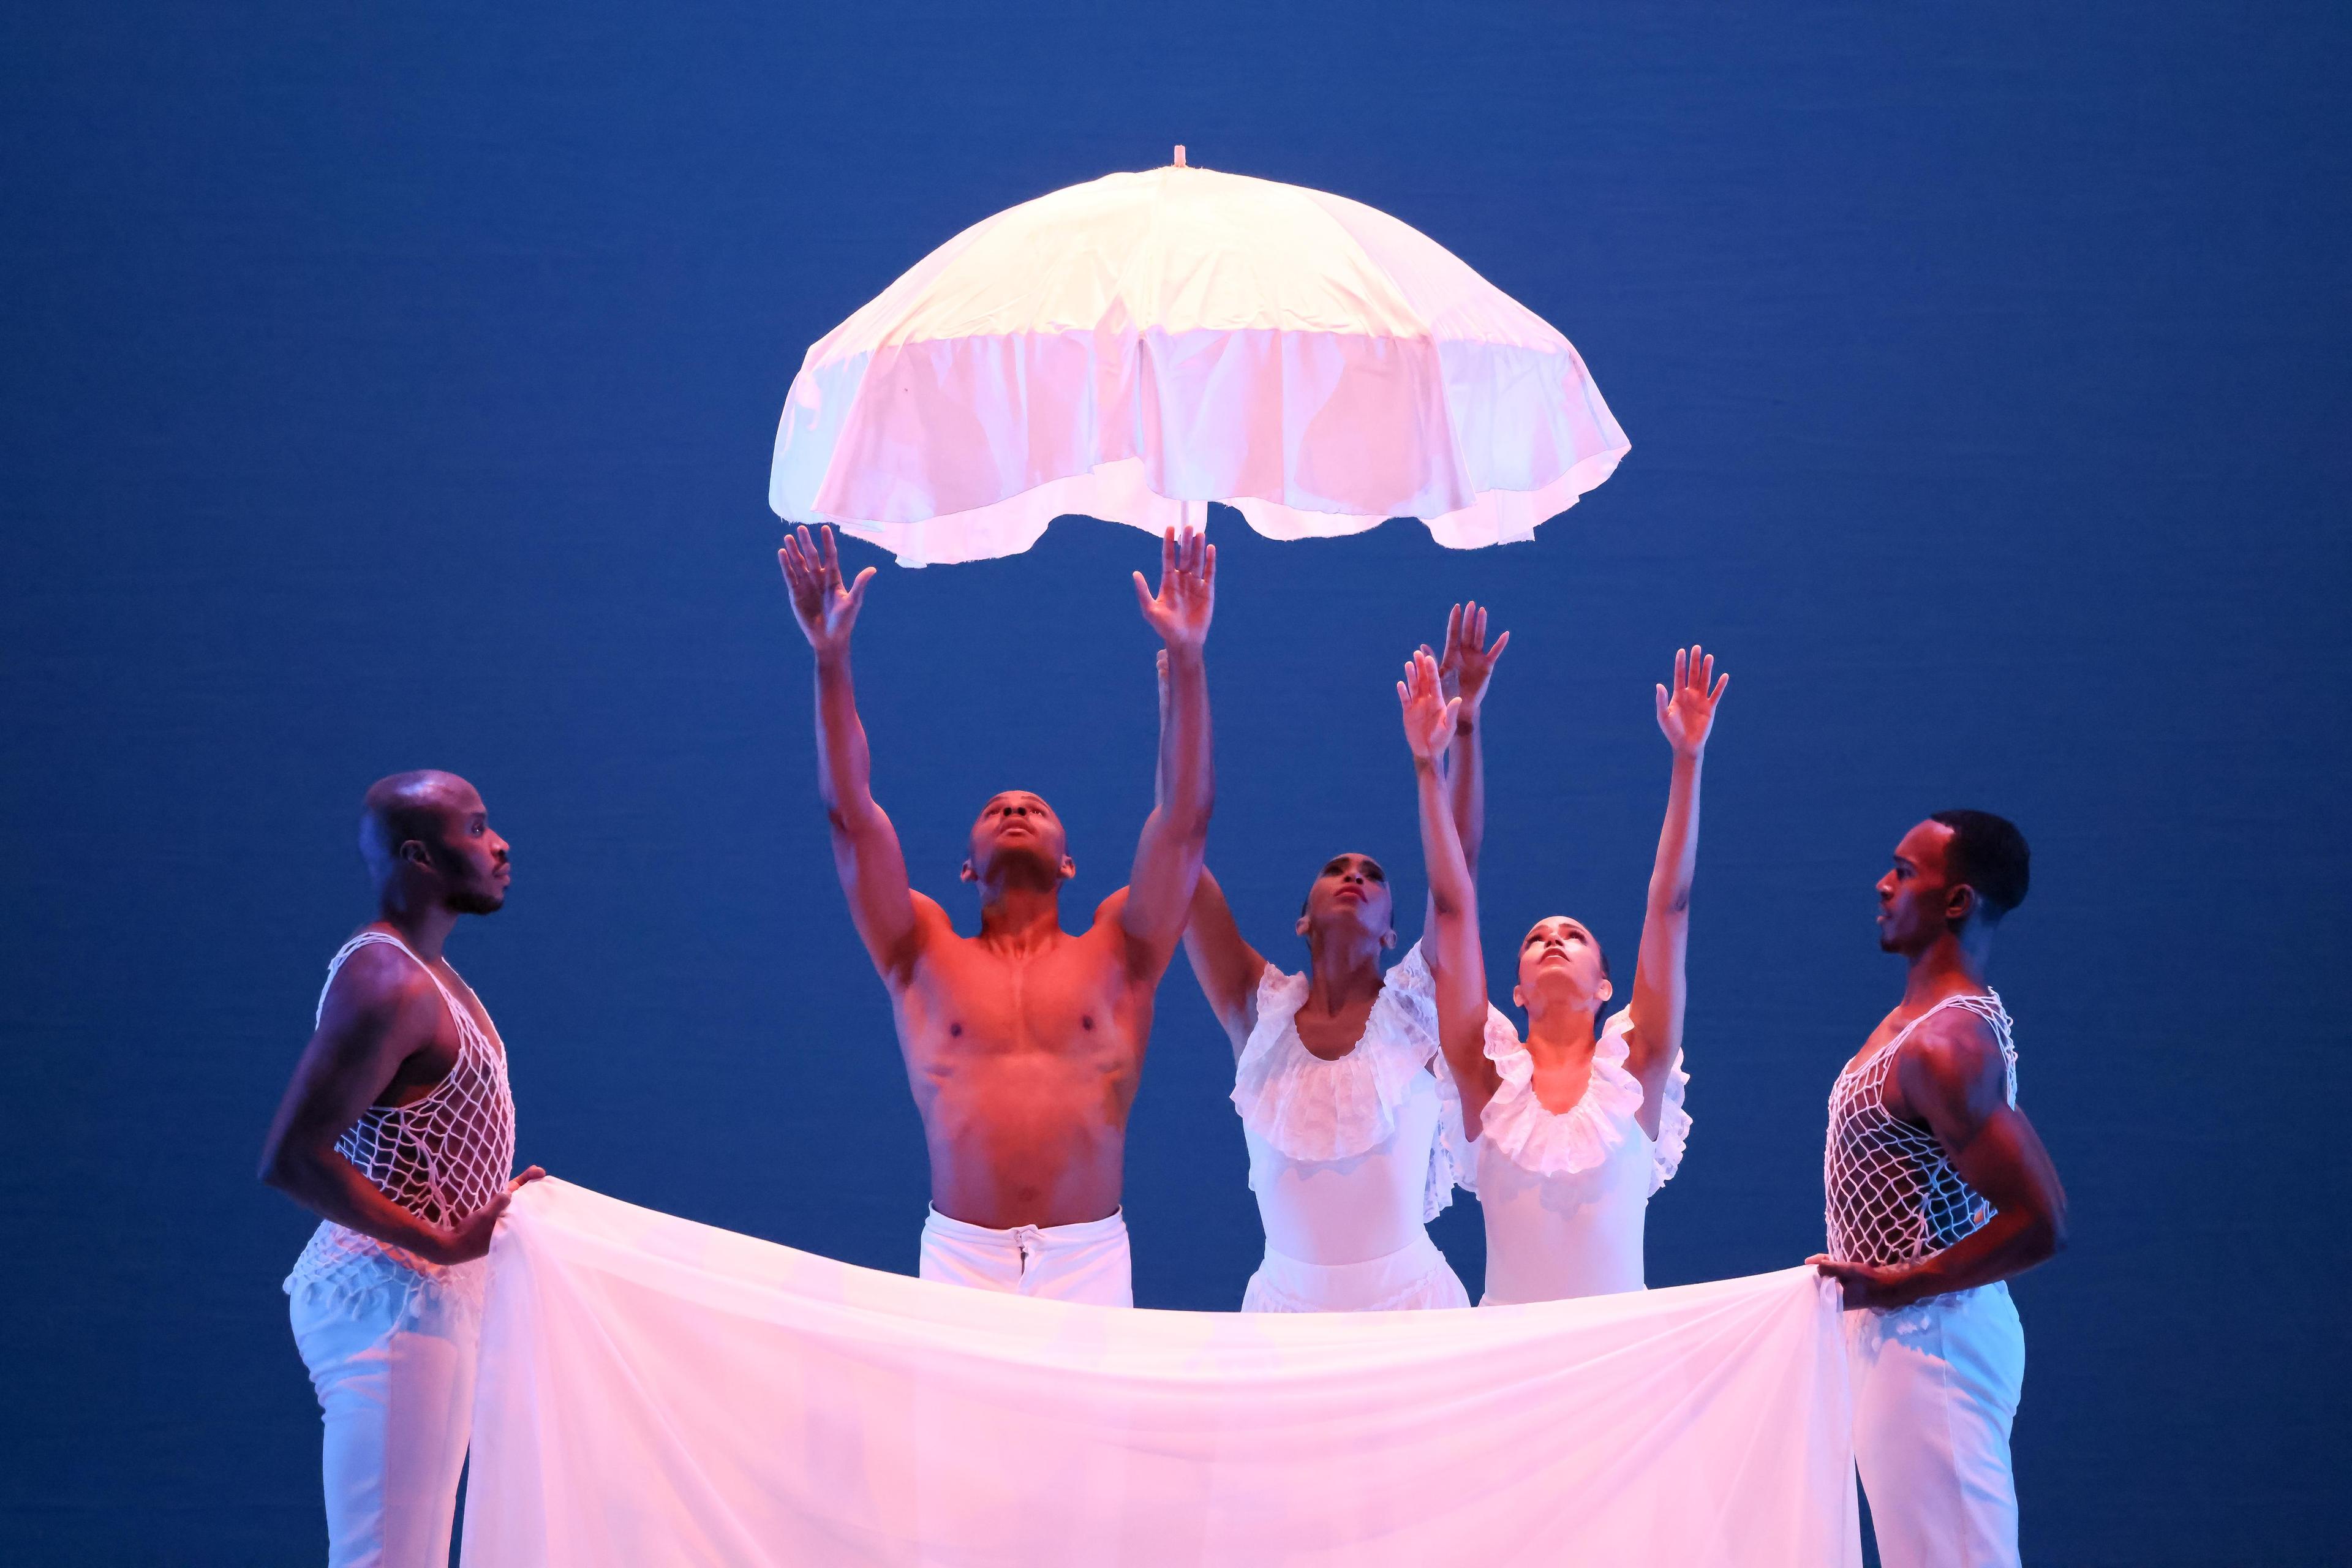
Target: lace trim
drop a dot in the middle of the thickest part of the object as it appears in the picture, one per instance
(1307, 1109)
(1557, 1143)
(1450, 1161)
(1673, 1128)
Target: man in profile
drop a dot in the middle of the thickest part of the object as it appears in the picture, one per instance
(1023, 1042)
(398, 1131)
(1938, 1191)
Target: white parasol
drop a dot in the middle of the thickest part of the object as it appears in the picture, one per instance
(1133, 347)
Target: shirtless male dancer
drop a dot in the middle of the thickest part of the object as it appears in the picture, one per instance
(1022, 1044)
(1938, 1190)
(398, 1131)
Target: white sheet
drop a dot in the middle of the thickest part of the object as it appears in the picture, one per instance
(657, 1391)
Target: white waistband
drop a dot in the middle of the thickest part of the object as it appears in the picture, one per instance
(1361, 1286)
(937, 1224)
(1988, 1295)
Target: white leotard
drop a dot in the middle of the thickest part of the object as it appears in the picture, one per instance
(1566, 1194)
(1347, 1156)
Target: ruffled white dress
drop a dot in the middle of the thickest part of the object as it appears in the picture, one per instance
(1349, 1158)
(1565, 1194)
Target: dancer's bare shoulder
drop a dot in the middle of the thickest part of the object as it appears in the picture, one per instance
(1952, 1061)
(1097, 964)
(1104, 943)
(384, 1023)
(1144, 960)
(378, 982)
(925, 933)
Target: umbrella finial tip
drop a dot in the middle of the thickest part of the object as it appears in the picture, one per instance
(1179, 154)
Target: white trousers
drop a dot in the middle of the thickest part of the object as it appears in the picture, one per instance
(1415, 1278)
(394, 1374)
(1086, 1262)
(1935, 1391)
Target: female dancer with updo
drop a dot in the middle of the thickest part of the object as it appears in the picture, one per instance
(1573, 1129)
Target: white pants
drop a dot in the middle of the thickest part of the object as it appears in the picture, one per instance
(1414, 1277)
(1934, 1390)
(394, 1373)
(1086, 1262)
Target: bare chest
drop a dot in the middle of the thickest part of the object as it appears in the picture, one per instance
(1865, 1063)
(478, 1015)
(970, 1005)
(425, 1069)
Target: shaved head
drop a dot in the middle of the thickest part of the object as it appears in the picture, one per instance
(427, 835)
(403, 806)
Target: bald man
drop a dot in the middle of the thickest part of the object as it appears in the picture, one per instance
(397, 1131)
(1023, 1042)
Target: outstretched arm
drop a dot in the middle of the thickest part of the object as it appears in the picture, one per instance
(1951, 1075)
(1168, 856)
(1225, 966)
(1464, 669)
(1457, 965)
(1685, 715)
(866, 852)
(380, 1011)
(1223, 960)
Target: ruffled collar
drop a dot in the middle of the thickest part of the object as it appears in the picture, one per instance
(1557, 1144)
(1306, 1108)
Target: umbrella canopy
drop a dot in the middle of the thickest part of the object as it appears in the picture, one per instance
(1124, 347)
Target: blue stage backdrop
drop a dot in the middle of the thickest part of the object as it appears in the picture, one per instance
(395, 388)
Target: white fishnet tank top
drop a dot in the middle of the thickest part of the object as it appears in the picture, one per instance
(1892, 1195)
(441, 1157)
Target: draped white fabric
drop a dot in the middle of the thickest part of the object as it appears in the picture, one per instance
(1121, 347)
(657, 1391)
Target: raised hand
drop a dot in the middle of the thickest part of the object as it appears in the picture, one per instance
(1467, 662)
(1429, 713)
(1180, 612)
(1687, 713)
(825, 609)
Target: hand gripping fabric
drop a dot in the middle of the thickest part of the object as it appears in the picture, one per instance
(1892, 1194)
(442, 1158)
